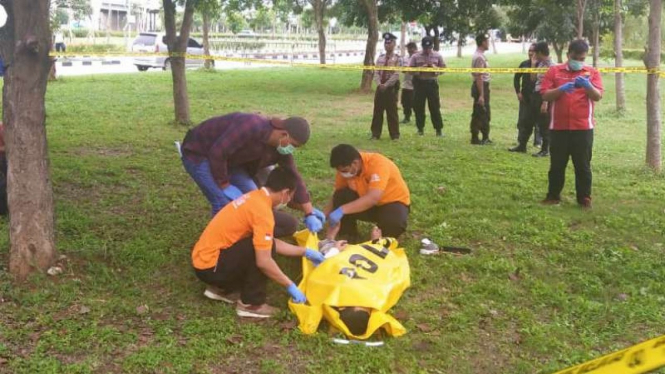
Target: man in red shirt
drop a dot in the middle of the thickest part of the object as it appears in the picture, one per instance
(572, 89)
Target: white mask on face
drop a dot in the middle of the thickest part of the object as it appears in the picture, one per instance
(282, 204)
(348, 175)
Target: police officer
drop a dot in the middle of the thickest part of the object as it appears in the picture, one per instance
(524, 84)
(407, 87)
(480, 91)
(426, 86)
(387, 89)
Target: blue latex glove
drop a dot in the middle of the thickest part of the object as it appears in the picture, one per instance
(315, 256)
(567, 88)
(335, 217)
(296, 295)
(583, 82)
(319, 214)
(232, 192)
(313, 223)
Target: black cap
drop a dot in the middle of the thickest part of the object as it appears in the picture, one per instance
(387, 36)
(427, 42)
(480, 38)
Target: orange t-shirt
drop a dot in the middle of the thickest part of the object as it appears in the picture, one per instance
(248, 215)
(378, 173)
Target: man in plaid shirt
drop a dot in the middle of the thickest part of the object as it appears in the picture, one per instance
(224, 154)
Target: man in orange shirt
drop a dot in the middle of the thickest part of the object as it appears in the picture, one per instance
(234, 255)
(368, 187)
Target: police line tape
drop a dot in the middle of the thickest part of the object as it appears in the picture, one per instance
(641, 70)
(638, 359)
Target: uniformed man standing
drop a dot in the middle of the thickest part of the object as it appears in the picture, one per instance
(426, 86)
(387, 89)
(480, 91)
(540, 108)
(524, 84)
(407, 87)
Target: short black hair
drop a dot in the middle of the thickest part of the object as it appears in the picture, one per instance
(411, 45)
(281, 178)
(542, 48)
(343, 155)
(578, 46)
(355, 320)
(480, 38)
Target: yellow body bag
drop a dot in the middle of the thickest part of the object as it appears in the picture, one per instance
(369, 275)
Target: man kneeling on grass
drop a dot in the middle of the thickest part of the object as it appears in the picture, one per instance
(234, 255)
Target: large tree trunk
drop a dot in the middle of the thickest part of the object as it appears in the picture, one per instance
(177, 44)
(618, 56)
(319, 11)
(460, 44)
(402, 41)
(558, 49)
(596, 39)
(24, 43)
(206, 40)
(372, 39)
(652, 61)
(581, 4)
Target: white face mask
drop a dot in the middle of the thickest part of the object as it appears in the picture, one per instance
(348, 174)
(282, 204)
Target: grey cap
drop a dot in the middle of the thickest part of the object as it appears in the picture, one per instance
(298, 129)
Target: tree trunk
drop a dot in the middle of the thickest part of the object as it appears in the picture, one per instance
(652, 61)
(319, 11)
(581, 4)
(596, 38)
(402, 42)
(372, 39)
(618, 56)
(24, 42)
(460, 44)
(493, 43)
(177, 44)
(558, 49)
(206, 40)
(437, 41)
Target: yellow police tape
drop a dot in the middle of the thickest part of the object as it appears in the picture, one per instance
(638, 359)
(641, 70)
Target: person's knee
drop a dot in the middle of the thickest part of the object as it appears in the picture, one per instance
(392, 227)
(344, 196)
(285, 225)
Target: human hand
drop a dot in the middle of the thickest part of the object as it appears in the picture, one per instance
(319, 214)
(583, 82)
(567, 87)
(296, 295)
(335, 217)
(313, 223)
(543, 107)
(315, 256)
(520, 97)
(481, 101)
(232, 192)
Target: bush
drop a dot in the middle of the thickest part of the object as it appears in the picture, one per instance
(628, 54)
(96, 48)
(83, 33)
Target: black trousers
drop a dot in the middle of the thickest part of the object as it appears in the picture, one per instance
(427, 90)
(577, 145)
(542, 120)
(386, 101)
(391, 218)
(236, 270)
(482, 114)
(407, 103)
(527, 121)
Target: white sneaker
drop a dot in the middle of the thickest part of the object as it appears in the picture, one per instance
(428, 247)
(215, 293)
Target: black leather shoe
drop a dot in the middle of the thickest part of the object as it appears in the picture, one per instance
(518, 149)
(485, 142)
(541, 154)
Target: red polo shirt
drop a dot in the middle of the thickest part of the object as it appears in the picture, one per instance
(571, 111)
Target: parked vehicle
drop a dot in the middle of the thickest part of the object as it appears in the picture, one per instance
(149, 42)
(246, 32)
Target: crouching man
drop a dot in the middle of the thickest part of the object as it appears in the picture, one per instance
(234, 255)
(368, 187)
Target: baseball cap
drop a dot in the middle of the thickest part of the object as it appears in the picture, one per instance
(427, 42)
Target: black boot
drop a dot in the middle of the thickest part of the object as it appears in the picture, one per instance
(519, 148)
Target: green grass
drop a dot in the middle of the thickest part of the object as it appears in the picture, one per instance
(590, 282)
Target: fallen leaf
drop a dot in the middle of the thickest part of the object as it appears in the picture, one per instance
(402, 315)
(288, 325)
(84, 309)
(54, 270)
(494, 313)
(3, 361)
(517, 339)
(425, 327)
(441, 189)
(634, 248)
(142, 309)
(422, 346)
(234, 339)
(515, 276)
(622, 297)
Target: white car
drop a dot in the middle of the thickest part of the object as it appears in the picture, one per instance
(149, 42)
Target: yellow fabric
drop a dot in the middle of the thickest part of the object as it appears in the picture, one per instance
(363, 275)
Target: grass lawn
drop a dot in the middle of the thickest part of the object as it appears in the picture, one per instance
(544, 288)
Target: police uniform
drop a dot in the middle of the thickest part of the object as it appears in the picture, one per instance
(482, 114)
(426, 86)
(385, 98)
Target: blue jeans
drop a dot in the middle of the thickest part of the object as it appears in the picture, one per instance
(203, 177)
